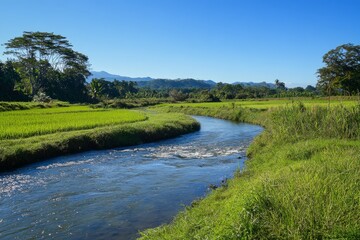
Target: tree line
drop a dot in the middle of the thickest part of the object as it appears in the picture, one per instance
(44, 65)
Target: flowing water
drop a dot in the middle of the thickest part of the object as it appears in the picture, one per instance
(112, 194)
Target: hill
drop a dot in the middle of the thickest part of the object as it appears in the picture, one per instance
(253, 84)
(153, 83)
(179, 83)
(110, 77)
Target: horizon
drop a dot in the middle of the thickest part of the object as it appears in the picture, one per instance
(101, 71)
(228, 41)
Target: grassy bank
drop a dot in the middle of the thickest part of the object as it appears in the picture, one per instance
(265, 104)
(302, 179)
(11, 106)
(33, 135)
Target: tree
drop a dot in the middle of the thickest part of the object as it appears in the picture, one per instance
(124, 88)
(310, 88)
(8, 78)
(177, 95)
(39, 53)
(342, 69)
(96, 87)
(72, 86)
(227, 91)
(280, 85)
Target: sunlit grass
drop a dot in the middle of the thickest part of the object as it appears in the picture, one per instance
(268, 103)
(28, 136)
(302, 180)
(26, 123)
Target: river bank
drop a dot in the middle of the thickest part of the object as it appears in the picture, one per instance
(21, 147)
(302, 180)
(114, 193)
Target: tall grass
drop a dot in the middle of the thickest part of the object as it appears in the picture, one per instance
(298, 121)
(302, 181)
(314, 196)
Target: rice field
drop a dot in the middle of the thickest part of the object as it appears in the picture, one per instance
(269, 103)
(35, 122)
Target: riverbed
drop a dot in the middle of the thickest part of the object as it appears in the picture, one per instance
(113, 194)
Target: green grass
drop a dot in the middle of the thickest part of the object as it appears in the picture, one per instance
(302, 180)
(32, 135)
(269, 103)
(26, 123)
(10, 106)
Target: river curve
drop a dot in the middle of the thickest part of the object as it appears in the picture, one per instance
(112, 194)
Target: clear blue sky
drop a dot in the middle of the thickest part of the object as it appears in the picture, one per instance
(222, 40)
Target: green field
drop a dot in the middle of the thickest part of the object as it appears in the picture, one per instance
(26, 123)
(35, 134)
(302, 179)
(271, 103)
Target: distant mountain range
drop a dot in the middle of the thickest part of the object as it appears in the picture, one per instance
(169, 83)
(110, 77)
(252, 84)
(155, 83)
(178, 83)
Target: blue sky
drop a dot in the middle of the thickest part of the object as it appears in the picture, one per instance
(222, 40)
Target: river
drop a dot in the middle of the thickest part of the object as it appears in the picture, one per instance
(112, 194)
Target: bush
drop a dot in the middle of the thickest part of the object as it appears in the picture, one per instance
(41, 97)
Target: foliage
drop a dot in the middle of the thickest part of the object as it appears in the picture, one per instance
(41, 97)
(8, 79)
(342, 70)
(160, 84)
(227, 91)
(280, 85)
(202, 96)
(101, 89)
(129, 103)
(177, 95)
(46, 62)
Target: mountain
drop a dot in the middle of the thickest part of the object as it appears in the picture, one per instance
(178, 83)
(155, 83)
(169, 83)
(253, 84)
(110, 77)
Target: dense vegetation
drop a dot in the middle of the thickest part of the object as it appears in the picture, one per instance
(342, 70)
(157, 84)
(32, 135)
(43, 66)
(301, 180)
(44, 62)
